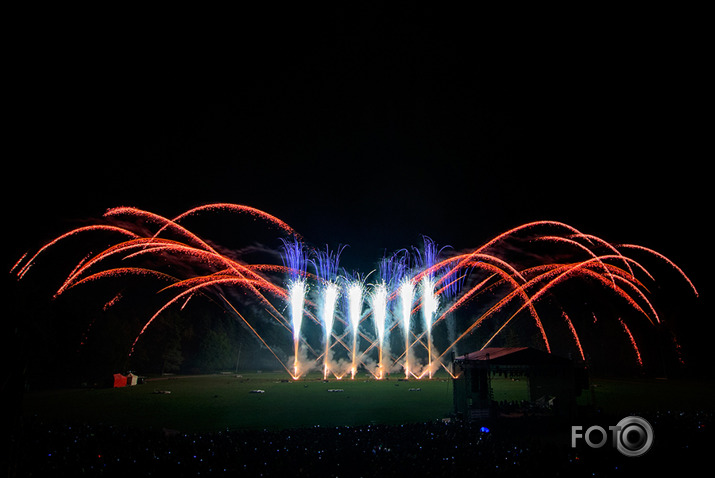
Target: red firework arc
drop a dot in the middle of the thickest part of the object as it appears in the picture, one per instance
(491, 269)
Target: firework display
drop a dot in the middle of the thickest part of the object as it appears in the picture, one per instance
(475, 295)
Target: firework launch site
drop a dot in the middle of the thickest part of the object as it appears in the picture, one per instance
(436, 360)
(433, 361)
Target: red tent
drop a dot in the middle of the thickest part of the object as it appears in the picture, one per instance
(120, 380)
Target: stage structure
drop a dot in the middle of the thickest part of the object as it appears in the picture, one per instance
(553, 382)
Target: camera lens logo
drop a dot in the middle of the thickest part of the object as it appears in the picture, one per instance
(634, 436)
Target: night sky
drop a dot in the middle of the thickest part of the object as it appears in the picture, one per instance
(368, 130)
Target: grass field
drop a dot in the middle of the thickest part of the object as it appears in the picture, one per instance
(215, 402)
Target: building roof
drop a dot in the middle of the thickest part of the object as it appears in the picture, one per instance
(512, 356)
(491, 353)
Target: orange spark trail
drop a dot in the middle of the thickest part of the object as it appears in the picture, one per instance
(111, 303)
(523, 227)
(578, 245)
(643, 297)
(86, 264)
(256, 333)
(591, 239)
(494, 272)
(161, 220)
(465, 298)
(19, 261)
(121, 271)
(569, 271)
(573, 332)
(239, 208)
(466, 258)
(518, 290)
(662, 257)
(633, 342)
(191, 290)
(72, 233)
(252, 284)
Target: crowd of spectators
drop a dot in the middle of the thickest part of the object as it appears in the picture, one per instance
(504, 447)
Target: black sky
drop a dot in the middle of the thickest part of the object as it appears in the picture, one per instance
(368, 130)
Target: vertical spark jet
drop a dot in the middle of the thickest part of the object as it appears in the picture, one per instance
(430, 302)
(296, 294)
(330, 297)
(379, 313)
(294, 259)
(326, 268)
(406, 296)
(354, 315)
